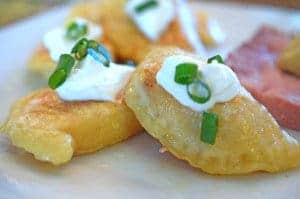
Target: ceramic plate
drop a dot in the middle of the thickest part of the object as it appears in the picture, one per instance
(134, 168)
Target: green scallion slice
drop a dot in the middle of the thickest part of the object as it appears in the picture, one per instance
(98, 52)
(185, 73)
(63, 69)
(65, 62)
(80, 49)
(105, 55)
(82, 41)
(199, 91)
(93, 44)
(57, 78)
(217, 58)
(209, 127)
(76, 30)
(145, 6)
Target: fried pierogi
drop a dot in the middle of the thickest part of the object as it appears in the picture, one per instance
(54, 130)
(248, 139)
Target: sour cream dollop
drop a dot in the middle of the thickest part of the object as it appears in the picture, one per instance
(189, 28)
(152, 21)
(215, 31)
(91, 80)
(222, 81)
(56, 42)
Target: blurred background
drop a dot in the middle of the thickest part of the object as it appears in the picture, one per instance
(13, 10)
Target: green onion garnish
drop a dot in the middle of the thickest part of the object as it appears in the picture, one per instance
(98, 52)
(146, 5)
(199, 91)
(209, 127)
(65, 62)
(92, 44)
(185, 73)
(217, 58)
(63, 69)
(76, 30)
(98, 57)
(57, 78)
(105, 55)
(80, 49)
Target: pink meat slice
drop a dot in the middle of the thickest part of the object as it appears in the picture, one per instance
(255, 65)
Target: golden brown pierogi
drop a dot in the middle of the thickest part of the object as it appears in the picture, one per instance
(54, 130)
(248, 138)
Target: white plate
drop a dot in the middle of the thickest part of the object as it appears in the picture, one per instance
(132, 169)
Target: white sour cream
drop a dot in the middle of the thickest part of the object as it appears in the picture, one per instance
(91, 80)
(220, 78)
(153, 21)
(189, 28)
(215, 31)
(56, 42)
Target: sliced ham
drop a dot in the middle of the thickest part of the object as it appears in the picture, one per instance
(255, 64)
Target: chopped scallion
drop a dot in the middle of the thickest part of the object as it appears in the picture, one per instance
(93, 44)
(57, 78)
(146, 5)
(99, 53)
(199, 91)
(80, 49)
(185, 73)
(105, 55)
(65, 62)
(82, 41)
(97, 56)
(209, 127)
(63, 69)
(76, 30)
(217, 58)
